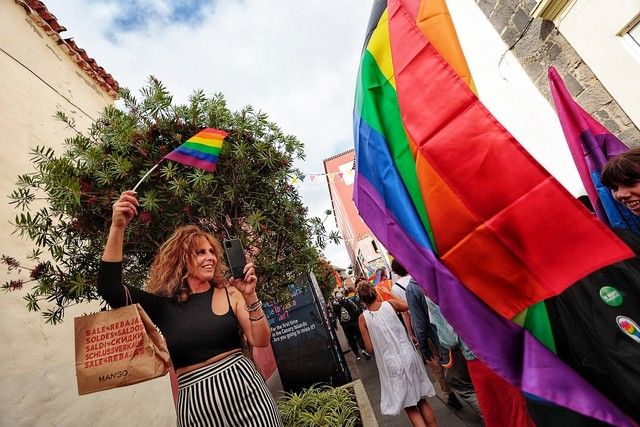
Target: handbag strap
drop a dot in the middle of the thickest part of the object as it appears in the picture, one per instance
(127, 299)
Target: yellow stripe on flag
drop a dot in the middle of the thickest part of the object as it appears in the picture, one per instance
(380, 47)
(211, 142)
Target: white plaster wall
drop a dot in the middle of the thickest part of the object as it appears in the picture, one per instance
(366, 249)
(507, 91)
(37, 367)
(38, 383)
(29, 99)
(591, 26)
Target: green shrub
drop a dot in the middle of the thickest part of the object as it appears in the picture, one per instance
(64, 204)
(320, 405)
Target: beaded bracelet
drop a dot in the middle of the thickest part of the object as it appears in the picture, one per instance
(253, 307)
(255, 319)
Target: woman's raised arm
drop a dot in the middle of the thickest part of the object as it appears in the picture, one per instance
(123, 211)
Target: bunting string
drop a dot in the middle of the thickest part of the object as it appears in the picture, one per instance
(322, 178)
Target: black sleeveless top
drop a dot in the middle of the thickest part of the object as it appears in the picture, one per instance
(194, 333)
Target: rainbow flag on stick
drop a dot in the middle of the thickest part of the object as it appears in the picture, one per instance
(201, 150)
(339, 283)
(438, 175)
(374, 279)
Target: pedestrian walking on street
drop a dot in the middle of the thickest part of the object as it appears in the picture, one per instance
(347, 312)
(457, 373)
(404, 383)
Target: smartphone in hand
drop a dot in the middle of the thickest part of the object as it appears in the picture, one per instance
(234, 255)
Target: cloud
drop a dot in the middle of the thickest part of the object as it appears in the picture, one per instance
(296, 61)
(142, 15)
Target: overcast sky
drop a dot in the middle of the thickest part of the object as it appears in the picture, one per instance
(295, 60)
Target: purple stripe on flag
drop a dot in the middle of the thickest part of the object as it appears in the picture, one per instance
(191, 161)
(202, 155)
(506, 348)
(598, 148)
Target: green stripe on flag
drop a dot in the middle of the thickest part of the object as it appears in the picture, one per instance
(378, 104)
(537, 322)
(202, 148)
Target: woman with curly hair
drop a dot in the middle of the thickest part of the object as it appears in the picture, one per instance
(404, 383)
(201, 315)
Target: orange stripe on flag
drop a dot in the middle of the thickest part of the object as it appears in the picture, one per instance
(435, 22)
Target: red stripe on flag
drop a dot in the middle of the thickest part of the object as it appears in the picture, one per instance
(211, 132)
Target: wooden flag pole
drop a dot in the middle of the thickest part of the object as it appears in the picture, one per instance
(146, 175)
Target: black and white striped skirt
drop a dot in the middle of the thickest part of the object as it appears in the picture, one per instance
(229, 392)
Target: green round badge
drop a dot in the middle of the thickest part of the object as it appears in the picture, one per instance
(611, 296)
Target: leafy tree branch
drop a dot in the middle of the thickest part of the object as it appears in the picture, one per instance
(64, 203)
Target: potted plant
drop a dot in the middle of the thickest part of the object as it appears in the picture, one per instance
(321, 405)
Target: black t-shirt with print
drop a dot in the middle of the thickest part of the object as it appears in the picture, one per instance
(587, 330)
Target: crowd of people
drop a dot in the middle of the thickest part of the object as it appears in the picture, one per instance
(398, 323)
(205, 316)
(583, 320)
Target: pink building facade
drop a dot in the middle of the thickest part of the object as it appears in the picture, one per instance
(365, 251)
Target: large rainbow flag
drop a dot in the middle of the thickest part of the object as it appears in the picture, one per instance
(453, 196)
(201, 150)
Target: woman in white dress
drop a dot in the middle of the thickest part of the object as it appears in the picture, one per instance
(404, 383)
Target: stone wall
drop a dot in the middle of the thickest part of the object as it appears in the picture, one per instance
(537, 44)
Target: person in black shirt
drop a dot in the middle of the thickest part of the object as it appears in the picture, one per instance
(593, 320)
(347, 312)
(201, 314)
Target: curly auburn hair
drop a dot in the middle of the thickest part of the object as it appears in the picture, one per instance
(175, 258)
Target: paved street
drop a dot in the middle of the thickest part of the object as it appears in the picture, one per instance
(445, 416)
(367, 372)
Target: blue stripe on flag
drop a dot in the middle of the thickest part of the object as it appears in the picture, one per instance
(375, 164)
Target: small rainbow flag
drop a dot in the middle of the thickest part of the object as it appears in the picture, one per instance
(201, 150)
(374, 279)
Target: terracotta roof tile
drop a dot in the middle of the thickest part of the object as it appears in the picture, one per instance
(48, 22)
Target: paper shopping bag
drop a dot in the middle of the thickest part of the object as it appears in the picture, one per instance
(117, 348)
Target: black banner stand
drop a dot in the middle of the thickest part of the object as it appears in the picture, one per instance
(305, 345)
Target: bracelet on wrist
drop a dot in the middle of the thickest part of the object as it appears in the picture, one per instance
(255, 319)
(254, 306)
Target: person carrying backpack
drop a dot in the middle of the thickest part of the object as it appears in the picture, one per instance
(347, 312)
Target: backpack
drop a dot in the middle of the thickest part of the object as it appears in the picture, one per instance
(345, 317)
(400, 286)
